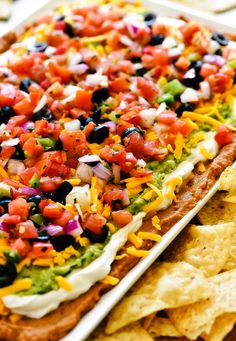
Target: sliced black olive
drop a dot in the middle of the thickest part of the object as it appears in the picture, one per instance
(196, 66)
(61, 18)
(96, 238)
(43, 114)
(39, 47)
(128, 131)
(25, 83)
(6, 113)
(149, 19)
(4, 202)
(19, 153)
(49, 195)
(43, 238)
(98, 134)
(116, 205)
(97, 115)
(192, 78)
(89, 119)
(59, 145)
(62, 241)
(157, 39)
(82, 120)
(35, 200)
(218, 52)
(220, 38)
(184, 107)
(8, 274)
(63, 190)
(135, 60)
(140, 72)
(100, 95)
(69, 30)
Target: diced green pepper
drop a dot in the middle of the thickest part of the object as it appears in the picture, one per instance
(232, 63)
(34, 181)
(167, 98)
(194, 56)
(37, 218)
(174, 88)
(47, 142)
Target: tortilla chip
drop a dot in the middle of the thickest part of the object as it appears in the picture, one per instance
(167, 285)
(205, 247)
(162, 327)
(217, 211)
(231, 260)
(133, 332)
(198, 318)
(227, 181)
(222, 326)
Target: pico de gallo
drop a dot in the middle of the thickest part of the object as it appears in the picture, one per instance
(98, 105)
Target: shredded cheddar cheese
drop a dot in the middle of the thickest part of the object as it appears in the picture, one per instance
(111, 227)
(137, 253)
(171, 185)
(135, 240)
(119, 257)
(201, 118)
(110, 280)
(83, 241)
(149, 236)
(205, 153)
(201, 167)
(43, 262)
(63, 283)
(18, 285)
(155, 222)
(179, 145)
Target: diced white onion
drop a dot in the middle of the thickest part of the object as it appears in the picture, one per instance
(141, 163)
(205, 89)
(169, 42)
(161, 108)
(176, 51)
(71, 90)
(84, 172)
(126, 41)
(42, 102)
(80, 195)
(15, 167)
(73, 125)
(10, 143)
(50, 50)
(97, 79)
(74, 58)
(190, 95)
(147, 117)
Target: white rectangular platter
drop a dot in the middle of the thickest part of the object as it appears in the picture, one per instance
(90, 321)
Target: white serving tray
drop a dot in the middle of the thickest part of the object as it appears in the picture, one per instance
(91, 320)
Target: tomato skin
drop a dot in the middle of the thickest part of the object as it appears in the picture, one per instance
(50, 184)
(19, 207)
(122, 217)
(224, 135)
(167, 117)
(181, 127)
(27, 230)
(41, 249)
(94, 222)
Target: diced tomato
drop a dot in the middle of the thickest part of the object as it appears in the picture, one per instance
(52, 210)
(24, 137)
(114, 195)
(182, 127)
(134, 143)
(28, 174)
(49, 185)
(11, 219)
(122, 217)
(140, 172)
(32, 148)
(23, 65)
(8, 94)
(188, 30)
(24, 107)
(54, 169)
(17, 121)
(182, 63)
(55, 90)
(60, 71)
(122, 126)
(19, 245)
(129, 163)
(94, 222)
(89, 127)
(147, 89)
(64, 218)
(41, 249)
(224, 135)
(120, 84)
(83, 100)
(150, 148)
(167, 117)
(60, 25)
(207, 70)
(115, 154)
(19, 207)
(132, 116)
(220, 82)
(74, 142)
(27, 230)
(7, 152)
(76, 112)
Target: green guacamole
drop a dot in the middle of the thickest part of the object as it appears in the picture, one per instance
(43, 279)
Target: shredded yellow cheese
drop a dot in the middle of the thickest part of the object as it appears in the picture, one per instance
(23, 263)
(3, 173)
(119, 257)
(198, 137)
(135, 240)
(148, 195)
(43, 262)
(18, 285)
(201, 167)
(110, 280)
(83, 241)
(14, 318)
(137, 253)
(171, 185)
(201, 118)
(179, 145)
(95, 39)
(111, 227)
(63, 283)
(206, 153)
(74, 182)
(106, 211)
(152, 206)
(149, 236)
(155, 222)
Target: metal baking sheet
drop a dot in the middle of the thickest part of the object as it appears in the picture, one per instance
(91, 320)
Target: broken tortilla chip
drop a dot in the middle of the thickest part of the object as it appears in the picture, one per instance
(205, 247)
(217, 211)
(167, 285)
(231, 260)
(162, 327)
(198, 318)
(222, 326)
(133, 332)
(227, 181)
